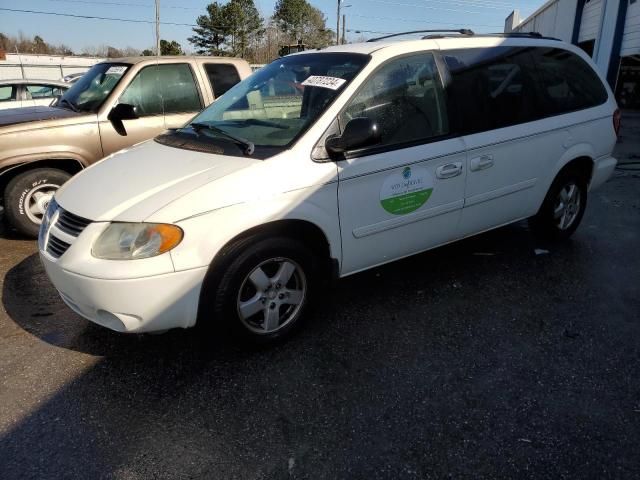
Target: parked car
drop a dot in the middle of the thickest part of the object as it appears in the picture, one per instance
(29, 93)
(380, 151)
(116, 104)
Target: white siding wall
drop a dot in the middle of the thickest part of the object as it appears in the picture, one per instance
(591, 20)
(43, 67)
(631, 39)
(553, 19)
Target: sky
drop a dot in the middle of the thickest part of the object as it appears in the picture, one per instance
(367, 16)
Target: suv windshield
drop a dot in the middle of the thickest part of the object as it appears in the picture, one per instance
(88, 93)
(275, 105)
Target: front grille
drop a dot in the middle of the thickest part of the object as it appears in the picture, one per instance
(71, 224)
(56, 247)
(67, 222)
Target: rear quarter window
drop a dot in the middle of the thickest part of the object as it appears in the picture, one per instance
(568, 83)
(222, 76)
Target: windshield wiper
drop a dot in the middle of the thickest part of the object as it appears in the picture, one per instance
(249, 147)
(255, 121)
(73, 106)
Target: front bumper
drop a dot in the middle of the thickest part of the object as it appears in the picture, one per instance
(146, 304)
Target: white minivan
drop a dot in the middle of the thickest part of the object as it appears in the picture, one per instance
(326, 163)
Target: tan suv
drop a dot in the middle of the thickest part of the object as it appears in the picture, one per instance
(114, 105)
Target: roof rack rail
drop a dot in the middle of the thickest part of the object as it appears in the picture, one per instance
(518, 35)
(462, 31)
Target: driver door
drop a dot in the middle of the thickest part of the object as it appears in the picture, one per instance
(160, 92)
(405, 194)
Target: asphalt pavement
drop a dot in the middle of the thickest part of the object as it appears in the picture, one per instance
(496, 357)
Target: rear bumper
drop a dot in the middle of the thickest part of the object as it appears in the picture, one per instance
(602, 171)
(145, 304)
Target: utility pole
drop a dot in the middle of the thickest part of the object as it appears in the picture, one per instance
(338, 25)
(158, 28)
(344, 23)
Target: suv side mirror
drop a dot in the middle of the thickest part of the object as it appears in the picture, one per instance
(122, 111)
(358, 133)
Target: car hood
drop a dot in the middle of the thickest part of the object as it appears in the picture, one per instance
(132, 184)
(14, 116)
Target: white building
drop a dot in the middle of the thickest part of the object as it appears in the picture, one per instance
(43, 67)
(608, 30)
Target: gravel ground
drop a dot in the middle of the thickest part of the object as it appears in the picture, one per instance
(500, 363)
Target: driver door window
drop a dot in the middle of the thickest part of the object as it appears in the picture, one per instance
(163, 90)
(405, 98)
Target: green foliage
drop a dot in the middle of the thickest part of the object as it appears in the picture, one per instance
(170, 48)
(227, 29)
(299, 20)
(212, 31)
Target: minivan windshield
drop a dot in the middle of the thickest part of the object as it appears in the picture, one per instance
(272, 107)
(92, 89)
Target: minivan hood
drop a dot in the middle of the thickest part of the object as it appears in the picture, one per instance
(132, 184)
(14, 116)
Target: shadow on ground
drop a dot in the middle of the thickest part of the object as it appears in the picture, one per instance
(479, 359)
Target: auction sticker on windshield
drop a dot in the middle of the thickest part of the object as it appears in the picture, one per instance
(405, 192)
(116, 70)
(333, 83)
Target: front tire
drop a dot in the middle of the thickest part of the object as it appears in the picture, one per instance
(563, 207)
(27, 196)
(264, 291)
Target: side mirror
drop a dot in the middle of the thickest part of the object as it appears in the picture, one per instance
(358, 133)
(122, 111)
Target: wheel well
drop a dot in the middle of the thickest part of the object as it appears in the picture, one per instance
(581, 165)
(69, 165)
(308, 233)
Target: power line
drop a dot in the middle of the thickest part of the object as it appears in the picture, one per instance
(397, 4)
(93, 17)
(426, 22)
(123, 4)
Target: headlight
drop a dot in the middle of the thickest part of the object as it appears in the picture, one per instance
(131, 241)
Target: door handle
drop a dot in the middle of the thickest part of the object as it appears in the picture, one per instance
(449, 170)
(481, 163)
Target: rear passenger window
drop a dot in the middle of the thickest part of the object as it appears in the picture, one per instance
(405, 98)
(568, 82)
(222, 77)
(492, 88)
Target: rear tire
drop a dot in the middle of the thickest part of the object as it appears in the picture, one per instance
(262, 292)
(27, 196)
(563, 207)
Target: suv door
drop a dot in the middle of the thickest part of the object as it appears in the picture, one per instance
(496, 98)
(165, 96)
(405, 194)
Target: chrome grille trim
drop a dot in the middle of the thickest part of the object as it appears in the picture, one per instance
(56, 247)
(63, 231)
(70, 223)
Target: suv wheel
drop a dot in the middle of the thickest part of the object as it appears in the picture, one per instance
(27, 196)
(265, 289)
(563, 207)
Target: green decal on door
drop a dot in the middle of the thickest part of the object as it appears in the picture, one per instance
(405, 192)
